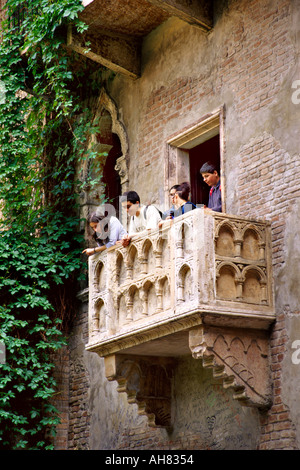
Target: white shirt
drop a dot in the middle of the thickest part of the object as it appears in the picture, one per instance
(140, 222)
(116, 232)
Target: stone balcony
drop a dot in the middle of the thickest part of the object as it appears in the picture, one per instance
(202, 285)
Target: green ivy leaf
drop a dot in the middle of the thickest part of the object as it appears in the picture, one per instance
(43, 135)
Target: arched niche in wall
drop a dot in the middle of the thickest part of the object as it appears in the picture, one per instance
(120, 268)
(227, 281)
(99, 316)
(251, 244)
(100, 277)
(110, 167)
(225, 240)
(254, 285)
(132, 263)
(185, 283)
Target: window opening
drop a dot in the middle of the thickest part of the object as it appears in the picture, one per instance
(207, 151)
(111, 177)
(189, 149)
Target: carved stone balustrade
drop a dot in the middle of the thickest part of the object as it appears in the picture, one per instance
(201, 285)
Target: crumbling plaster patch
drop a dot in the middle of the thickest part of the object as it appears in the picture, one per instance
(288, 279)
(288, 300)
(291, 370)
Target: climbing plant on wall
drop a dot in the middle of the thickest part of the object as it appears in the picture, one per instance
(43, 130)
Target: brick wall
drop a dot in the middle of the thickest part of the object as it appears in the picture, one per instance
(269, 185)
(164, 105)
(277, 429)
(79, 414)
(61, 397)
(252, 60)
(255, 58)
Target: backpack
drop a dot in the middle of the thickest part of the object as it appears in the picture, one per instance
(146, 208)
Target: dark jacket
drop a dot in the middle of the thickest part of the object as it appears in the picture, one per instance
(215, 201)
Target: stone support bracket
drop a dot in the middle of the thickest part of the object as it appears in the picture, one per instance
(201, 286)
(147, 381)
(238, 358)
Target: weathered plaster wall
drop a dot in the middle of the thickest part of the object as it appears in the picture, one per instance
(248, 63)
(288, 297)
(205, 416)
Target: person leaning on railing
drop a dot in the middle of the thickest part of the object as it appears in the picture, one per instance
(210, 175)
(182, 201)
(141, 217)
(108, 231)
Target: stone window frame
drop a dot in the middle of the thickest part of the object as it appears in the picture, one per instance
(177, 145)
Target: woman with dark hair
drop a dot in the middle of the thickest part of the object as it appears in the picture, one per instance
(181, 199)
(108, 230)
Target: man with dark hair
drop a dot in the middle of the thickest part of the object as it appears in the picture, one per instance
(131, 196)
(141, 217)
(182, 199)
(210, 175)
(170, 212)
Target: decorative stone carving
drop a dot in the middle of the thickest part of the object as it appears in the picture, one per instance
(241, 261)
(147, 381)
(110, 123)
(206, 280)
(239, 358)
(122, 169)
(226, 275)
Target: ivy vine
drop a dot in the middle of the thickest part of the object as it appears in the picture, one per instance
(43, 131)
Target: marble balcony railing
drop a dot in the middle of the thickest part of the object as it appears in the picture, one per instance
(211, 264)
(201, 285)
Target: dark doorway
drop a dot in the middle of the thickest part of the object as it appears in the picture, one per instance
(111, 178)
(208, 150)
